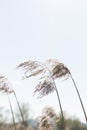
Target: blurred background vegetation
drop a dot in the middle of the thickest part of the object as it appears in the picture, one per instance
(49, 120)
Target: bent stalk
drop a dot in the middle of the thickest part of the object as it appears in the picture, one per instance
(19, 109)
(79, 97)
(11, 111)
(64, 124)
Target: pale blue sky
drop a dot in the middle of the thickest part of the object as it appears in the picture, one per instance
(40, 30)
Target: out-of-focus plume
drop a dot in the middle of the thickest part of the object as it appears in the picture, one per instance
(49, 112)
(45, 124)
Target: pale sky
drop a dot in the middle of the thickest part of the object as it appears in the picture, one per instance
(39, 30)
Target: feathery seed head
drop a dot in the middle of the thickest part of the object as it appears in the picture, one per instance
(5, 85)
(44, 88)
(31, 68)
(57, 69)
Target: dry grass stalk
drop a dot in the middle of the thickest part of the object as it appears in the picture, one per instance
(5, 87)
(60, 70)
(46, 86)
(56, 70)
(11, 111)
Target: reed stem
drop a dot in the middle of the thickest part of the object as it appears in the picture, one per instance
(11, 111)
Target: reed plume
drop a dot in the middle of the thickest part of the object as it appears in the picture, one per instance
(45, 124)
(47, 85)
(44, 88)
(5, 87)
(49, 112)
(60, 70)
(31, 68)
(56, 70)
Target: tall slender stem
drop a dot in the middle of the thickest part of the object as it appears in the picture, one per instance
(19, 108)
(79, 97)
(11, 111)
(60, 107)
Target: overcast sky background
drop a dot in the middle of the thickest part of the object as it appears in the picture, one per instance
(39, 30)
